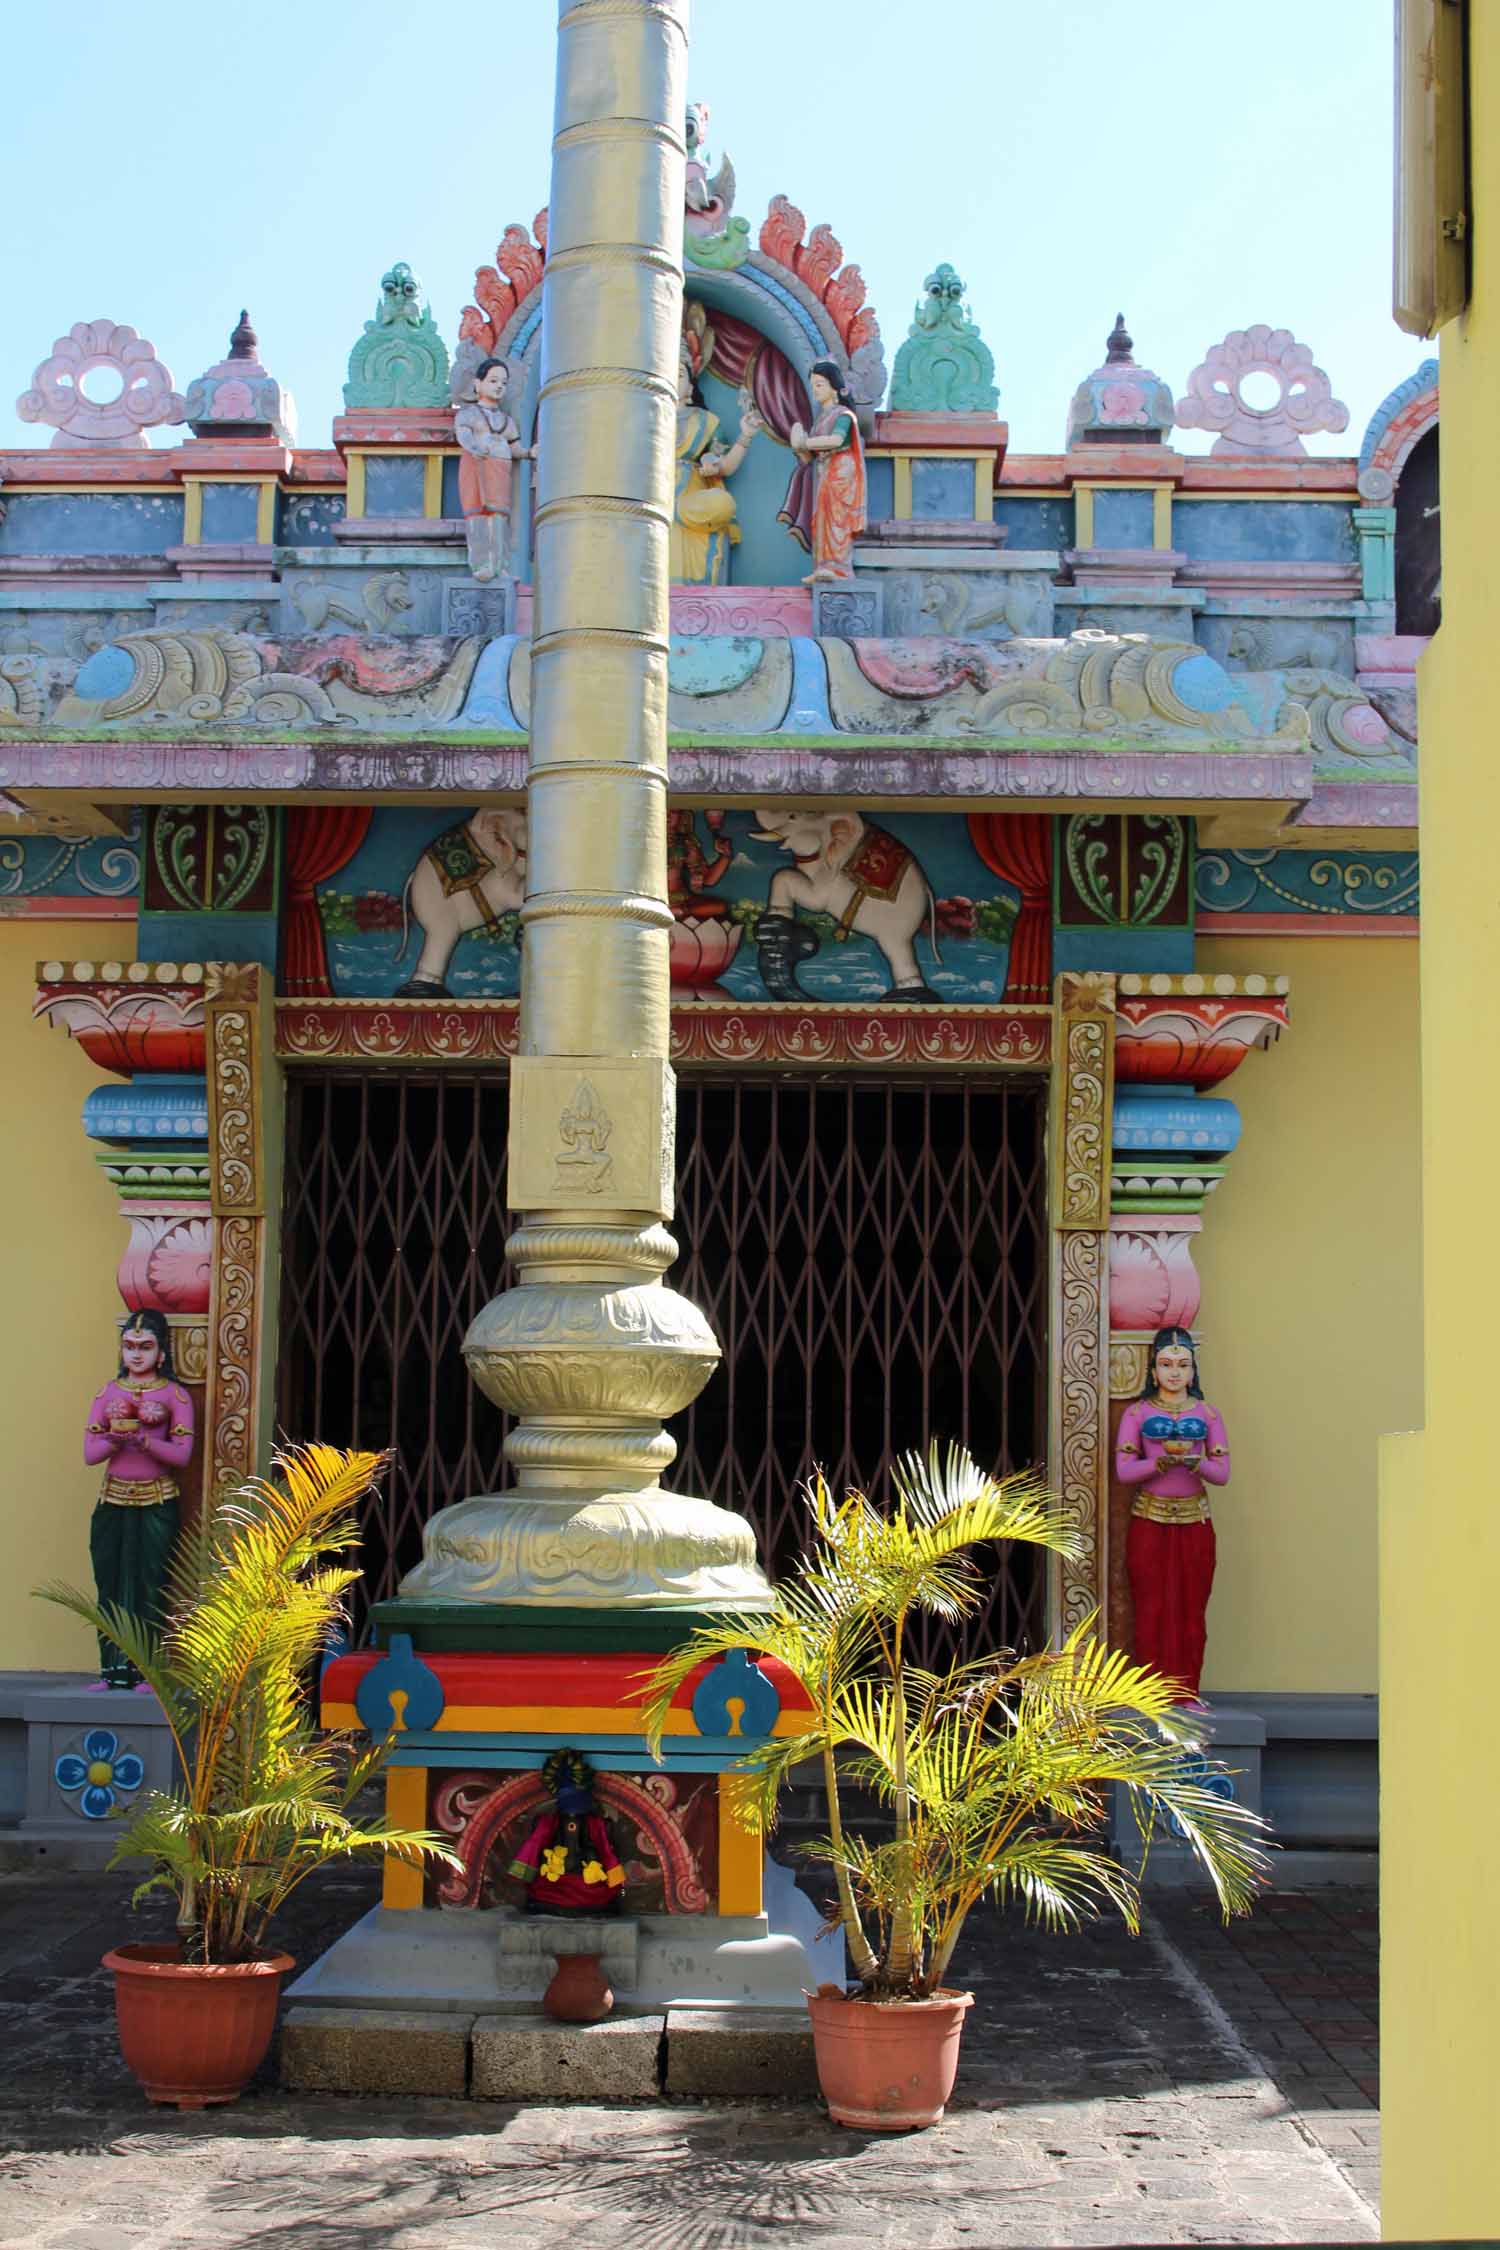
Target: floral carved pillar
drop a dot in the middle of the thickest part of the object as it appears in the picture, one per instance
(244, 1141)
(1177, 1039)
(1082, 1087)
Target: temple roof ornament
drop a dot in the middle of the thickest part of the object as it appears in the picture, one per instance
(816, 266)
(236, 398)
(401, 359)
(501, 289)
(712, 235)
(1216, 396)
(106, 348)
(1403, 416)
(945, 365)
(1121, 403)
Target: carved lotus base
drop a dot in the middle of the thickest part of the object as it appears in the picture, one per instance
(613, 1550)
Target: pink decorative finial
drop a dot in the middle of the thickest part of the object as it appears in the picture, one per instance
(1216, 396)
(145, 397)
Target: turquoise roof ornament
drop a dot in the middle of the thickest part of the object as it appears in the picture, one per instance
(945, 365)
(400, 360)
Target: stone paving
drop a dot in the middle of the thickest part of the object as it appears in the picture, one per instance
(1194, 2086)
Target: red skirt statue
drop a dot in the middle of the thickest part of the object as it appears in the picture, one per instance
(1171, 1446)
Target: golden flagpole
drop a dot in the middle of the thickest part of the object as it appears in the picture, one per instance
(590, 1350)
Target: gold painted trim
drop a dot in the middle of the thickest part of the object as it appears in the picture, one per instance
(901, 487)
(1082, 1095)
(1161, 515)
(984, 487)
(192, 512)
(1083, 515)
(243, 1195)
(432, 486)
(265, 515)
(354, 495)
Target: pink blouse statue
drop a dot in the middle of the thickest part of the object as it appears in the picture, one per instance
(140, 1431)
(1171, 1445)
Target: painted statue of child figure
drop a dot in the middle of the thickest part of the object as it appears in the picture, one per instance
(567, 1861)
(491, 443)
(140, 1430)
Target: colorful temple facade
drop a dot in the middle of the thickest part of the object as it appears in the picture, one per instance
(1044, 895)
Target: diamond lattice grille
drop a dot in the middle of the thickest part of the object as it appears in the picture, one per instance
(872, 1256)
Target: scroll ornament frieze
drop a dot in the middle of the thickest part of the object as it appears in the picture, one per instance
(1105, 693)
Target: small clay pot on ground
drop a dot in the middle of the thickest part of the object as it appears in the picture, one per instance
(193, 2034)
(887, 2066)
(579, 1993)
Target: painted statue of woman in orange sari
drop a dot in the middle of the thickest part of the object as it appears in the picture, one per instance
(833, 447)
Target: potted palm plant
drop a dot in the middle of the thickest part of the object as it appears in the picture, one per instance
(995, 1772)
(264, 1797)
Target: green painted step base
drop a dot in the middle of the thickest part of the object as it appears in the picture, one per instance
(504, 1628)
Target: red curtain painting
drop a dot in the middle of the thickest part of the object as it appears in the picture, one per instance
(320, 839)
(1018, 848)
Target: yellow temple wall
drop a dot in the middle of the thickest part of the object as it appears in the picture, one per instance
(63, 1240)
(1310, 1257)
(1440, 1511)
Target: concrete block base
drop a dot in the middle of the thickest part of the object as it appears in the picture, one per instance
(375, 2051)
(453, 1961)
(532, 2059)
(744, 2051)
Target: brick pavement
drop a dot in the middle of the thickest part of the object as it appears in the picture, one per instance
(1196, 2085)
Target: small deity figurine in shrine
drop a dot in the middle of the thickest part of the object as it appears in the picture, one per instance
(491, 444)
(703, 514)
(140, 1429)
(567, 1861)
(834, 449)
(1171, 1444)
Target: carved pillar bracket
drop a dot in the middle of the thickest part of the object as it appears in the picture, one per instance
(1082, 1086)
(1177, 1039)
(242, 1090)
(590, 1351)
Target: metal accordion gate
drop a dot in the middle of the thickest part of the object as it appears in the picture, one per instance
(872, 1253)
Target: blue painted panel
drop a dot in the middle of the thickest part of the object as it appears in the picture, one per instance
(1123, 519)
(1176, 1120)
(208, 937)
(90, 523)
(229, 513)
(1264, 530)
(394, 487)
(1170, 950)
(172, 1106)
(1036, 523)
(361, 909)
(33, 867)
(1361, 886)
(308, 520)
(451, 503)
(881, 495)
(943, 488)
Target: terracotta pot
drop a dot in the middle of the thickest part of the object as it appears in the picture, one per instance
(887, 2066)
(579, 1993)
(194, 2035)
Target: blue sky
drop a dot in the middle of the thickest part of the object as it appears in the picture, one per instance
(1200, 167)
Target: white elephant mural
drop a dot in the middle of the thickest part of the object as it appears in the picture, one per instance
(866, 878)
(466, 879)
